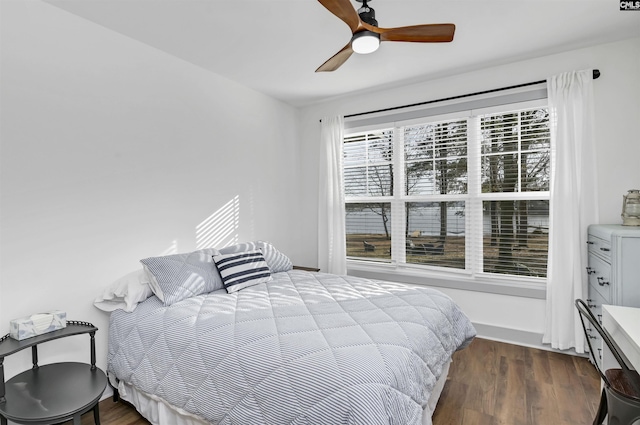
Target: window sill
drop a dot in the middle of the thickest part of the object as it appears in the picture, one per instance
(490, 284)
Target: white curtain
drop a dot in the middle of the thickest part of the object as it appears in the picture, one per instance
(573, 204)
(332, 251)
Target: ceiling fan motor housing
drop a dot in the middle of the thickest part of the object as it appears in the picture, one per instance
(368, 15)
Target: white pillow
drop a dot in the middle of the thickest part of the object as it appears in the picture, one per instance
(125, 293)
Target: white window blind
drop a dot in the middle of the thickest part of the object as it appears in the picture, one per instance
(466, 193)
(368, 179)
(368, 167)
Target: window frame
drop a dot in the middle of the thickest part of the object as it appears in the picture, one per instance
(472, 277)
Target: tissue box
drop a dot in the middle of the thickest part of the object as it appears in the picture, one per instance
(37, 324)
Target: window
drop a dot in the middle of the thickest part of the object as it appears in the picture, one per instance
(466, 193)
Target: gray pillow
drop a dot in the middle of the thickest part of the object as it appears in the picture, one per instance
(276, 260)
(176, 277)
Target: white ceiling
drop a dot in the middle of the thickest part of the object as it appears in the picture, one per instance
(274, 46)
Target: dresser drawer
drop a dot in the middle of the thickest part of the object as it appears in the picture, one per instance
(600, 247)
(595, 302)
(600, 277)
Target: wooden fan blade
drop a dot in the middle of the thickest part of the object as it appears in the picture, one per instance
(336, 60)
(429, 33)
(343, 10)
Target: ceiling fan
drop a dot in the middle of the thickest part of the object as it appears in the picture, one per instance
(367, 35)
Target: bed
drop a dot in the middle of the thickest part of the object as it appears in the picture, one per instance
(297, 348)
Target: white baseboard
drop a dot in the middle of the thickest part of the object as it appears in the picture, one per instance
(108, 392)
(518, 337)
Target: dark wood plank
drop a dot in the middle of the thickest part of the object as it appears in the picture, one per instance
(489, 383)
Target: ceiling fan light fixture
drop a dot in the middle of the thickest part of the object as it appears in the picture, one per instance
(365, 42)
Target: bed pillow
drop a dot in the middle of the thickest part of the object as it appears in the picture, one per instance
(276, 260)
(176, 277)
(242, 269)
(125, 293)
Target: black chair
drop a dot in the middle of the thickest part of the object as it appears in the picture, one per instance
(621, 393)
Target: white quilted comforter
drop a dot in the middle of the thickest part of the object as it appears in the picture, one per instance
(305, 348)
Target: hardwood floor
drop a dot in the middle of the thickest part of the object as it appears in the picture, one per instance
(490, 383)
(493, 383)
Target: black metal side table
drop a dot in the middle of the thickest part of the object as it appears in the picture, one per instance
(52, 393)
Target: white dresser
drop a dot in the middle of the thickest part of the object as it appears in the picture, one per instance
(613, 270)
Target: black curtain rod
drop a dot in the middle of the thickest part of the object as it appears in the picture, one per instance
(596, 74)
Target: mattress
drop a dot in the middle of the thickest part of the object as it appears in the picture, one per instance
(305, 348)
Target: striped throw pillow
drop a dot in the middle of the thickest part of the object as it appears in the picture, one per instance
(243, 269)
(276, 260)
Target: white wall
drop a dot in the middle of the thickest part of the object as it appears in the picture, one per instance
(113, 151)
(617, 97)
